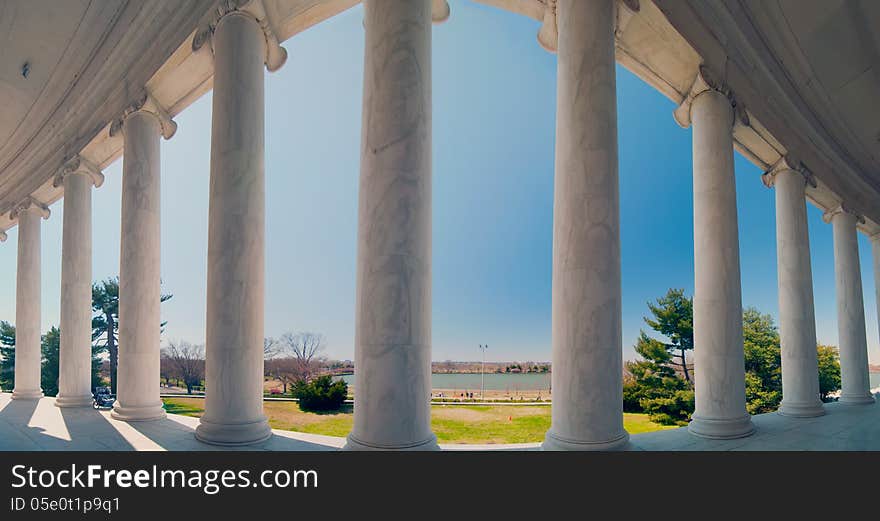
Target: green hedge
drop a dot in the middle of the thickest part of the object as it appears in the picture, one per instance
(321, 394)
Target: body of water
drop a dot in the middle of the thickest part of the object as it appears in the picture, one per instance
(492, 382)
(875, 380)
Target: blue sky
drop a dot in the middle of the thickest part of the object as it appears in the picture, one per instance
(494, 93)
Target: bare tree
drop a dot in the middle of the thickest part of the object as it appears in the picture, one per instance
(187, 362)
(271, 348)
(304, 349)
(286, 370)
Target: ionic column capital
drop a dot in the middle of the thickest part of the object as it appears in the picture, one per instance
(439, 11)
(27, 204)
(625, 11)
(787, 163)
(705, 81)
(148, 104)
(79, 165)
(276, 55)
(842, 209)
(548, 34)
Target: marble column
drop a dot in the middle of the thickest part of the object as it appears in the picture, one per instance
(797, 323)
(236, 238)
(719, 366)
(75, 355)
(851, 333)
(875, 252)
(393, 302)
(587, 412)
(137, 396)
(27, 303)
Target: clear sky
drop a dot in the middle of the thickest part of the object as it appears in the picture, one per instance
(494, 93)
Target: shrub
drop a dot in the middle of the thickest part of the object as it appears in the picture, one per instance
(673, 409)
(321, 394)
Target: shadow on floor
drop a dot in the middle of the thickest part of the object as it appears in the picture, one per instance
(40, 425)
(178, 433)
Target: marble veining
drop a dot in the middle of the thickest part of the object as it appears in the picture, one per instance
(393, 300)
(797, 323)
(852, 337)
(587, 409)
(719, 374)
(236, 238)
(139, 272)
(75, 364)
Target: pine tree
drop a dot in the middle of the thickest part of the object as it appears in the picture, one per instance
(105, 322)
(7, 356)
(51, 349)
(673, 318)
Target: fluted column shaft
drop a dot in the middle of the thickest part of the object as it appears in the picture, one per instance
(719, 367)
(393, 301)
(139, 272)
(236, 238)
(851, 333)
(27, 307)
(587, 411)
(797, 323)
(75, 365)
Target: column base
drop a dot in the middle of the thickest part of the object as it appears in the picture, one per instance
(721, 429)
(352, 443)
(83, 400)
(233, 434)
(801, 409)
(555, 442)
(857, 399)
(32, 394)
(133, 414)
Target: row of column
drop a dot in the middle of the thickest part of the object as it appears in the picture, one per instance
(139, 323)
(392, 407)
(393, 300)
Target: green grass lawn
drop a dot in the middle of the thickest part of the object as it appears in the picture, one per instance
(451, 423)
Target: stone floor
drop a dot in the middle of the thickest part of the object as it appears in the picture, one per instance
(39, 425)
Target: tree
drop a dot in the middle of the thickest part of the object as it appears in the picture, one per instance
(271, 348)
(51, 352)
(673, 318)
(660, 382)
(653, 386)
(304, 348)
(7, 356)
(187, 362)
(286, 370)
(105, 322)
(763, 364)
(829, 370)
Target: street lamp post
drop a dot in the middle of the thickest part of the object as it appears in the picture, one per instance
(482, 367)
